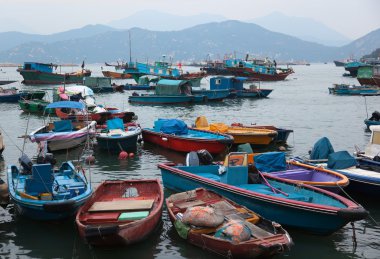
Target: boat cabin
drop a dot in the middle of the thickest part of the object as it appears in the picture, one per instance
(158, 69)
(232, 83)
(373, 147)
(43, 67)
(173, 87)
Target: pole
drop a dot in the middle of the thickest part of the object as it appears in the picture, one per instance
(130, 47)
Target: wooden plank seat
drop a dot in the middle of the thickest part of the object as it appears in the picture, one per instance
(121, 205)
(188, 204)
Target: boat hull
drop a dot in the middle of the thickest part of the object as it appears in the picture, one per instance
(156, 99)
(34, 77)
(35, 106)
(116, 75)
(213, 95)
(178, 143)
(11, 98)
(118, 144)
(314, 219)
(366, 81)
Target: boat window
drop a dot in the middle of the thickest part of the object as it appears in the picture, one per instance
(376, 137)
(218, 81)
(131, 192)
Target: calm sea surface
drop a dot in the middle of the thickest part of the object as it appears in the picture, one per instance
(301, 103)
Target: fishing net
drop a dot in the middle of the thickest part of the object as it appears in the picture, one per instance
(202, 217)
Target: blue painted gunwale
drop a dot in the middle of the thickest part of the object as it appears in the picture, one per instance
(213, 95)
(315, 218)
(160, 99)
(35, 208)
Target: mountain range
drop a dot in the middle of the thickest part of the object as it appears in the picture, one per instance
(98, 43)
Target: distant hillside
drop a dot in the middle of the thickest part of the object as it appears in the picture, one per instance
(11, 39)
(374, 54)
(194, 43)
(159, 21)
(362, 46)
(303, 28)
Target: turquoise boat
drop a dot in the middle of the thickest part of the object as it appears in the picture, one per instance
(236, 87)
(166, 92)
(345, 89)
(300, 206)
(42, 193)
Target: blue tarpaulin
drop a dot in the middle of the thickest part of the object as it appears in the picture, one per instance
(270, 162)
(66, 104)
(173, 126)
(321, 150)
(115, 123)
(341, 160)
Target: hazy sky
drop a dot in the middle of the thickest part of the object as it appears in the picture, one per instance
(352, 18)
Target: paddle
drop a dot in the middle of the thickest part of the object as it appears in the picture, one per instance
(270, 186)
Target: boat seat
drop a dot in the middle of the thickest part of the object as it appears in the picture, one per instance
(121, 205)
(210, 176)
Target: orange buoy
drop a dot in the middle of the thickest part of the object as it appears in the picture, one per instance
(131, 154)
(123, 155)
(90, 160)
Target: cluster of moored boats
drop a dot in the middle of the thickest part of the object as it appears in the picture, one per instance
(238, 207)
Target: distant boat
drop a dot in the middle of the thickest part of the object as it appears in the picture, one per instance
(35, 73)
(345, 89)
(339, 63)
(256, 70)
(6, 82)
(12, 95)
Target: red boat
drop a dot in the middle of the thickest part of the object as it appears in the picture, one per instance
(121, 212)
(195, 140)
(100, 117)
(263, 238)
(255, 76)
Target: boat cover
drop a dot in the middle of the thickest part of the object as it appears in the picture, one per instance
(245, 148)
(219, 127)
(66, 104)
(270, 162)
(321, 150)
(174, 126)
(340, 160)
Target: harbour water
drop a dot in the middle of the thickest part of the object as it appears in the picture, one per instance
(301, 103)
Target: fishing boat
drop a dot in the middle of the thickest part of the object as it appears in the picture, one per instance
(345, 89)
(121, 212)
(297, 205)
(236, 87)
(254, 69)
(102, 85)
(35, 73)
(166, 92)
(116, 75)
(64, 134)
(365, 75)
(174, 134)
(240, 134)
(41, 192)
(255, 236)
(274, 163)
(117, 136)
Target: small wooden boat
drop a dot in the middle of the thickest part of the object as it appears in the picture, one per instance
(116, 75)
(43, 193)
(240, 134)
(35, 106)
(288, 203)
(266, 238)
(117, 137)
(121, 212)
(274, 164)
(174, 134)
(282, 134)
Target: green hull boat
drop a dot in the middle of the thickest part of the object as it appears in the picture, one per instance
(35, 106)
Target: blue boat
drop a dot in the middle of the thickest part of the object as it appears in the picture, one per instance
(166, 92)
(212, 95)
(40, 192)
(363, 171)
(236, 88)
(345, 89)
(296, 205)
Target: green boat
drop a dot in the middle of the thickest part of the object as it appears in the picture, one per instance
(33, 94)
(40, 73)
(35, 106)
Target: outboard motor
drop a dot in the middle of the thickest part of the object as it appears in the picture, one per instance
(205, 158)
(375, 116)
(26, 163)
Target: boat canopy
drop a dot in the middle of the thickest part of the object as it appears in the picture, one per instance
(76, 89)
(321, 150)
(270, 162)
(173, 87)
(66, 104)
(340, 160)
